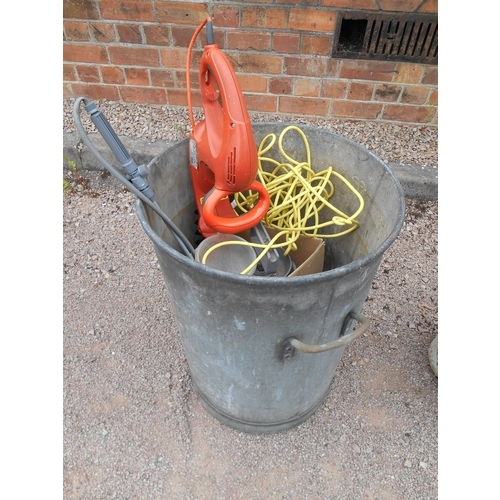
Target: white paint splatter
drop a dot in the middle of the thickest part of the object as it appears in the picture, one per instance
(239, 324)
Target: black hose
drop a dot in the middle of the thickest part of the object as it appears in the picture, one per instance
(184, 243)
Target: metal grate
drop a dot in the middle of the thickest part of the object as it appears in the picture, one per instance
(386, 37)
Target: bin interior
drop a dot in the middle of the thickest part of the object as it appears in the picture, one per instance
(379, 219)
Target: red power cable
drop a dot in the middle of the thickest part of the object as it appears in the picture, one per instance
(188, 78)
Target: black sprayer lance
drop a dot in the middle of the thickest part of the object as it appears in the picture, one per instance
(134, 178)
(133, 172)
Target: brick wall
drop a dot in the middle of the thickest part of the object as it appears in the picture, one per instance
(135, 51)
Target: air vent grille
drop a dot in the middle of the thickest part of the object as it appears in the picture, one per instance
(231, 168)
(387, 37)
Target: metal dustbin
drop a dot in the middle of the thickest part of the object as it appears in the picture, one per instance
(262, 351)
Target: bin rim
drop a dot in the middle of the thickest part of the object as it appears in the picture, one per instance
(285, 280)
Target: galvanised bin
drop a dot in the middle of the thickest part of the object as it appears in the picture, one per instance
(262, 351)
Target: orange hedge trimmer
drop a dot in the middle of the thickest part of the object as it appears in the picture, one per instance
(222, 151)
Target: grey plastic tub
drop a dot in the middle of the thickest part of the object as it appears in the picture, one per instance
(262, 351)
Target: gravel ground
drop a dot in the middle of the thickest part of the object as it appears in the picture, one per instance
(133, 426)
(403, 144)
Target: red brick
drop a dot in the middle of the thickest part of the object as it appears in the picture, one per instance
(176, 58)
(162, 78)
(180, 77)
(127, 10)
(129, 33)
(415, 95)
(351, 4)
(194, 63)
(134, 56)
(181, 37)
(179, 98)
(289, 2)
(309, 66)
(434, 121)
(387, 93)
(399, 5)
(307, 87)
(303, 106)
(367, 70)
(248, 40)
(281, 85)
(354, 109)
(143, 94)
(157, 35)
(431, 76)
(85, 53)
(336, 89)
(219, 38)
(312, 20)
(263, 17)
(67, 91)
(285, 43)
(433, 98)
(95, 91)
(259, 102)
(89, 74)
(315, 44)
(225, 16)
(429, 7)
(80, 9)
(181, 12)
(407, 113)
(103, 32)
(112, 74)
(408, 73)
(76, 32)
(136, 76)
(252, 83)
(360, 91)
(69, 73)
(259, 63)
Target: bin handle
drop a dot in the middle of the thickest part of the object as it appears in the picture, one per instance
(291, 344)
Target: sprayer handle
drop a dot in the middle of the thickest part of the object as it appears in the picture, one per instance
(237, 223)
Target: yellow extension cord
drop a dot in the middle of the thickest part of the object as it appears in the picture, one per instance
(297, 194)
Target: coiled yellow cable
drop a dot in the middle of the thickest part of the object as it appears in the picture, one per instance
(297, 194)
